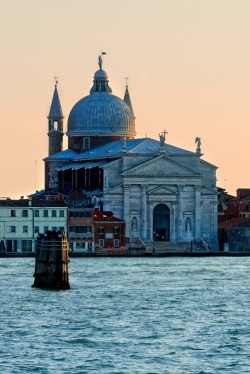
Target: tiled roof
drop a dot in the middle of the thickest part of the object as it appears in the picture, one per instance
(115, 148)
(106, 216)
(31, 203)
(235, 222)
(133, 146)
(64, 155)
(38, 194)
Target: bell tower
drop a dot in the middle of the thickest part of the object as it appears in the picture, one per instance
(55, 124)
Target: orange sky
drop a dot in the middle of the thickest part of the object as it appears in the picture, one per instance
(187, 61)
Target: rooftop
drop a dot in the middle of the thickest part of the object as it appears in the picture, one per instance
(117, 147)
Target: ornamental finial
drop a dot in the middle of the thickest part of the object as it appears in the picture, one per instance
(56, 80)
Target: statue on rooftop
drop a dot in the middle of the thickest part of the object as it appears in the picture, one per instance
(198, 141)
(100, 62)
(100, 59)
(162, 137)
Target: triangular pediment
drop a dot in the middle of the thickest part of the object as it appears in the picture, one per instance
(163, 190)
(161, 166)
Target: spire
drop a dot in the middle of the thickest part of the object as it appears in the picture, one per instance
(127, 100)
(55, 124)
(55, 108)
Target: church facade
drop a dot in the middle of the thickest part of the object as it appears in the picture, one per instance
(164, 193)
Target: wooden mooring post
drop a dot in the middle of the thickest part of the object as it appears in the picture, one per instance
(51, 267)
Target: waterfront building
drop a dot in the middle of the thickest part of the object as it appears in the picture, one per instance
(234, 235)
(22, 220)
(109, 232)
(162, 192)
(228, 206)
(81, 229)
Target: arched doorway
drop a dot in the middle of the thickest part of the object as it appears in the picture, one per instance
(161, 223)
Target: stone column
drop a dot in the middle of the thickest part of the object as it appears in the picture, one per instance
(197, 217)
(173, 222)
(179, 213)
(126, 208)
(143, 211)
(150, 222)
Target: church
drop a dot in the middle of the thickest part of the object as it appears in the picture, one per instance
(164, 193)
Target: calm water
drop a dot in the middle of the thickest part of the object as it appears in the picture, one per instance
(128, 315)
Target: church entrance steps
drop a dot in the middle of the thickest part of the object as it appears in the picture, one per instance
(135, 244)
(160, 247)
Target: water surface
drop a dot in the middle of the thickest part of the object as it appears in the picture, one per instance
(128, 315)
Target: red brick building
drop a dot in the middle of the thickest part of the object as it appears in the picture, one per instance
(109, 231)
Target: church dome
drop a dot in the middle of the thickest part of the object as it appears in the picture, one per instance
(101, 113)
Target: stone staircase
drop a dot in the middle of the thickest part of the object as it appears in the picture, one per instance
(161, 247)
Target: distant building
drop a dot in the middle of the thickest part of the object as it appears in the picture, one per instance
(81, 229)
(236, 234)
(234, 220)
(228, 206)
(243, 197)
(162, 192)
(109, 231)
(22, 220)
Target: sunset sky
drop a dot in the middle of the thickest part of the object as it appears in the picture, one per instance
(188, 64)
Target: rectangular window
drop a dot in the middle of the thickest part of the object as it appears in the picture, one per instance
(36, 213)
(116, 232)
(101, 242)
(86, 144)
(53, 228)
(36, 229)
(13, 213)
(26, 245)
(45, 229)
(116, 243)
(61, 213)
(80, 229)
(53, 213)
(25, 228)
(25, 213)
(12, 228)
(61, 228)
(109, 235)
(45, 213)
